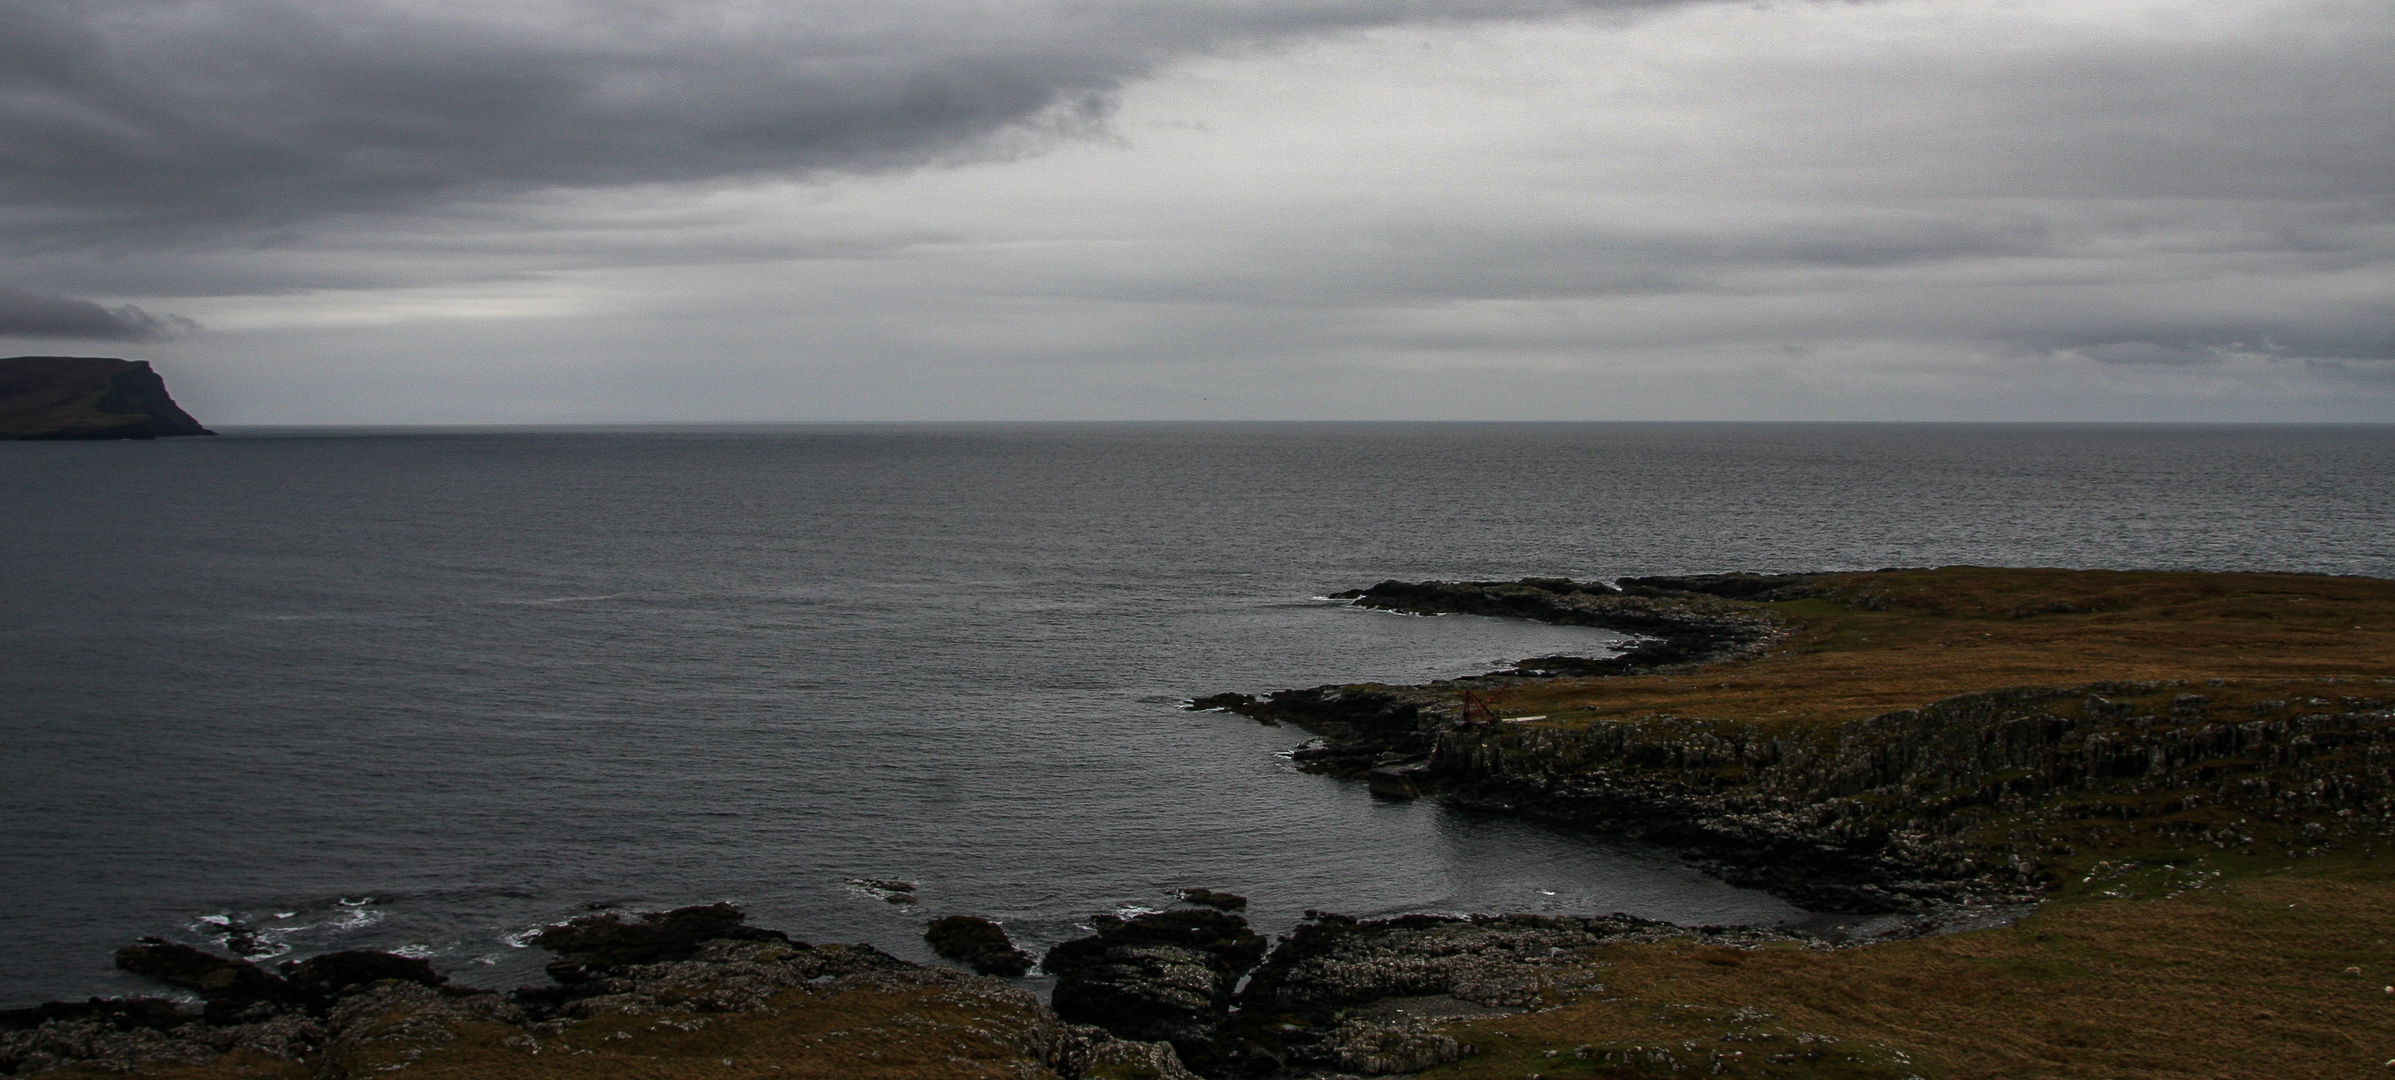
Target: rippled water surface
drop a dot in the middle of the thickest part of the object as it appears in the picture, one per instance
(426, 690)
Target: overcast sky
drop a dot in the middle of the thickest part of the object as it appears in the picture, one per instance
(347, 211)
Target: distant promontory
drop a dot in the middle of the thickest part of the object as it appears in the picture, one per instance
(87, 397)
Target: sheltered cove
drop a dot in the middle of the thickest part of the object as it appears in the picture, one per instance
(2190, 776)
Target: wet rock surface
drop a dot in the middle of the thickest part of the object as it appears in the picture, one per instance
(337, 974)
(1213, 898)
(1161, 976)
(594, 943)
(232, 988)
(978, 943)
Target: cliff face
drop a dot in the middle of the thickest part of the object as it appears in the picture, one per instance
(1971, 797)
(87, 397)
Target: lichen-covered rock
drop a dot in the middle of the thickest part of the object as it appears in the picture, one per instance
(1505, 961)
(1384, 1049)
(395, 1022)
(117, 1036)
(1102, 1056)
(722, 977)
(1356, 996)
(97, 1043)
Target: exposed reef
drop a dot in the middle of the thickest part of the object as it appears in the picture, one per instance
(87, 397)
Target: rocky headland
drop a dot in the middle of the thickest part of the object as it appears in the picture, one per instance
(1708, 736)
(87, 397)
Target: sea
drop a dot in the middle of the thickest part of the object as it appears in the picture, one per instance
(292, 690)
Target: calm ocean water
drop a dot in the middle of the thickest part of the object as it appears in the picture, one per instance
(426, 690)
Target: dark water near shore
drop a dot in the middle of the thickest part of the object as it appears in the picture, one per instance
(428, 690)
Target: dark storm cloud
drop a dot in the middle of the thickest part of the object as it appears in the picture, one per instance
(49, 315)
(117, 113)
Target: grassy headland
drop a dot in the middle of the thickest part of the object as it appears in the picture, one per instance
(87, 398)
(1863, 644)
(2192, 772)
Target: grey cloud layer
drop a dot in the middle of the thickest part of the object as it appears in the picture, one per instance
(49, 315)
(117, 112)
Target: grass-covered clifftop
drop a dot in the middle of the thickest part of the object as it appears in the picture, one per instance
(1895, 739)
(87, 397)
(1863, 644)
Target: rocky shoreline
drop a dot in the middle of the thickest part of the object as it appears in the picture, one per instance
(1883, 814)
(1173, 995)
(1962, 813)
(362, 1013)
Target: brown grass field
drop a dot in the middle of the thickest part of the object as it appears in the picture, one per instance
(1900, 638)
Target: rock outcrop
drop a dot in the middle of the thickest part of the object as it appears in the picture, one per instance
(1677, 623)
(1161, 976)
(1360, 997)
(1882, 814)
(978, 943)
(636, 987)
(592, 944)
(87, 397)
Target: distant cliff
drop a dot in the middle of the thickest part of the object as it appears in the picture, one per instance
(87, 397)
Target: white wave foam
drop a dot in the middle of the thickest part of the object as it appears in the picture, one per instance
(357, 918)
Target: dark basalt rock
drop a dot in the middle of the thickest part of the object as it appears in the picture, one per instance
(364, 1013)
(1220, 901)
(230, 987)
(123, 1014)
(1732, 586)
(1681, 625)
(588, 946)
(339, 974)
(978, 942)
(1166, 976)
(87, 397)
